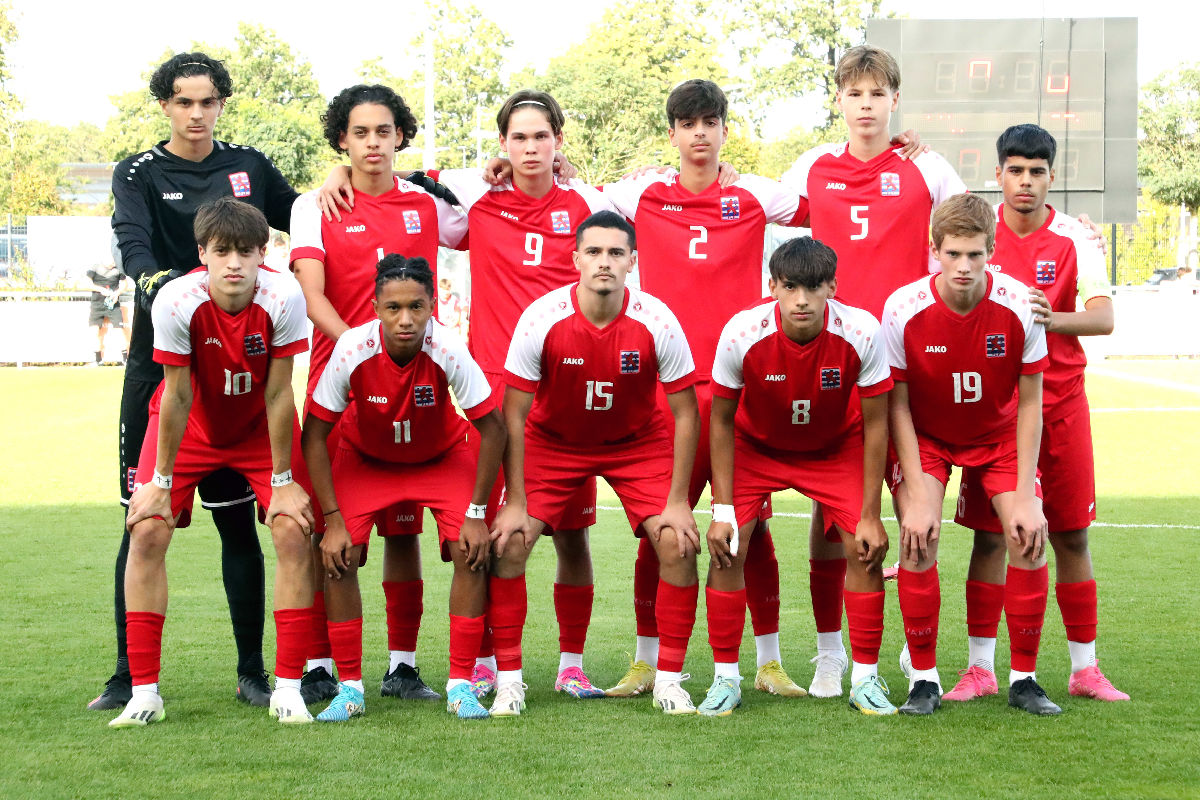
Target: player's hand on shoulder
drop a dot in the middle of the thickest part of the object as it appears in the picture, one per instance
(475, 542)
(564, 170)
(1094, 233)
(148, 502)
(726, 175)
(292, 501)
(910, 144)
(719, 536)
(1042, 313)
(149, 284)
(336, 192)
(335, 546)
(497, 171)
(871, 543)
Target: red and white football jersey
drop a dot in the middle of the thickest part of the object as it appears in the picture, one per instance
(597, 385)
(401, 414)
(962, 370)
(1059, 259)
(800, 397)
(406, 220)
(229, 354)
(874, 214)
(702, 254)
(521, 249)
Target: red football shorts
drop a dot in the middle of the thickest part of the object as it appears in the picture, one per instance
(638, 471)
(994, 466)
(832, 478)
(367, 486)
(1068, 478)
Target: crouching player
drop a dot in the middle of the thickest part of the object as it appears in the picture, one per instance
(582, 370)
(967, 355)
(225, 336)
(786, 414)
(393, 383)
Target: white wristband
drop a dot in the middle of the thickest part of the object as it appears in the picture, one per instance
(722, 512)
(281, 479)
(475, 511)
(162, 481)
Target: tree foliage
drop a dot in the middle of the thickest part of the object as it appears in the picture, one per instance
(1169, 118)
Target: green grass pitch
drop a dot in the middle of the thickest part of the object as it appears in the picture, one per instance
(59, 526)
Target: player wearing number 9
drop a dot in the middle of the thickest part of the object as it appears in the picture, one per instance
(967, 356)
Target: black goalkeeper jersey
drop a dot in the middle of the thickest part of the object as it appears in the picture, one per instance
(157, 195)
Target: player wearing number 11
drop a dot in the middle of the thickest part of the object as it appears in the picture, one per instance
(967, 355)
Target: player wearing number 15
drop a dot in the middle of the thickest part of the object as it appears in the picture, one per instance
(225, 336)
(967, 355)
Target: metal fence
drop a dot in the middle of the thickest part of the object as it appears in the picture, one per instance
(14, 246)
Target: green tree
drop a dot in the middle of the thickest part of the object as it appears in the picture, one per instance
(789, 48)
(1169, 119)
(8, 35)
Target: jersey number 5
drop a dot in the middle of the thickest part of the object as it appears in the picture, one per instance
(858, 214)
(599, 396)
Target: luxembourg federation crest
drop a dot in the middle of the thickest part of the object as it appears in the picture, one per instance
(1044, 275)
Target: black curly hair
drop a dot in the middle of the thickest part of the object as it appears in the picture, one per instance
(336, 118)
(189, 65)
(395, 267)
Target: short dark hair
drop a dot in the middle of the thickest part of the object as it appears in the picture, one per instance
(964, 215)
(1026, 141)
(231, 222)
(534, 99)
(189, 65)
(395, 267)
(805, 261)
(336, 118)
(696, 98)
(607, 219)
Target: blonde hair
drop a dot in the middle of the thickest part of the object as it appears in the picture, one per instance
(866, 61)
(964, 215)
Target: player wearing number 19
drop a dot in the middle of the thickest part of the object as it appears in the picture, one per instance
(225, 336)
(967, 355)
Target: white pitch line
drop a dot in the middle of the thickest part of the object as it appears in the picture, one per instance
(1159, 382)
(789, 515)
(1158, 409)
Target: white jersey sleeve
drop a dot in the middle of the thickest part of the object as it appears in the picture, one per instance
(466, 379)
(281, 296)
(306, 227)
(626, 194)
(780, 202)
(940, 177)
(173, 309)
(452, 222)
(901, 306)
(591, 195)
(1010, 292)
(356, 346)
(468, 185)
(862, 331)
(529, 336)
(737, 337)
(796, 178)
(1092, 279)
(670, 344)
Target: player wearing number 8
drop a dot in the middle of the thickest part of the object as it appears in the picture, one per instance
(967, 356)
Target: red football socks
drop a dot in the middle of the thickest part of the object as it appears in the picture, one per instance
(507, 608)
(573, 607)
(318, 646)
(1025, 610)
(404, 601)
(864, 612)
(676, 613)
(985, 601)
(920, 603)
(1077, 601)
(826, 582)
(345, 638)
(143, 637)
(762, 583)
(465, 634)
(726, 622)
(293, 630)
(645, 588)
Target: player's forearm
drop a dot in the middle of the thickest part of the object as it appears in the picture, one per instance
(687, 434)
(173, 410)
(904, 437)
(314, 444)
(281, 413)
(720, 441)
(310, 274)
(875, 437)
(1029, 431)
(493, 437)
(1096, 319)
(516, 410)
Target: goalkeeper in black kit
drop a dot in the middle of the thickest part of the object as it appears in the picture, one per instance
(157, 193)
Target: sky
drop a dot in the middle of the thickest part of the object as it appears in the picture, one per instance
(65, 73)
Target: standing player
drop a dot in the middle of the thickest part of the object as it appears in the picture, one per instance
(397, 379)
(872, 205)
(522, 237)
(335, 264)
(1050, 253)
(581, 371)
(106, 308)
(225, 336)
(696, 234)
(156, 195)
(785, 412)
(967, 356)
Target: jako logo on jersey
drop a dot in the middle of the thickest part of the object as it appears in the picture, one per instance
(507, 215)
(240, 181)
(994, 345)
(377, 398)
(356, 229)
(775, 378)
(731, 208)
(412, 221)
(406, 518)
(835, 186)
(1045, 273)
(672, 207)
(255, 346)
(889, 184)
(423, 395)
(573, 362)
(172, 195)
(935, 348)
(831, 378)
(993, 267)
(631, 362)
(560, 222)
(214, 340)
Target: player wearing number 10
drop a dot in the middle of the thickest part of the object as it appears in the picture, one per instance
(967, 355)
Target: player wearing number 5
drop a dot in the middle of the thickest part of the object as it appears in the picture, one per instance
(967, 355)
(582, 372)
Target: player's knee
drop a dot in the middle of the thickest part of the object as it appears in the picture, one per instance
(987, 546)
(149, 539)
(1070, 544)
(572, 546)
(290, 542)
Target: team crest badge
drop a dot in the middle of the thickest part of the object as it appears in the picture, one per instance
(240, 181)
(1045, 273)
(731, 208)
(631, 362)
(131, 479)
(889, 184)
(994, 345)
(255, 346)
(423, 395)
(560, 221)
(831, 378)
(412, 221)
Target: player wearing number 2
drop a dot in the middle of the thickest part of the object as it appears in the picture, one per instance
(967, 355)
